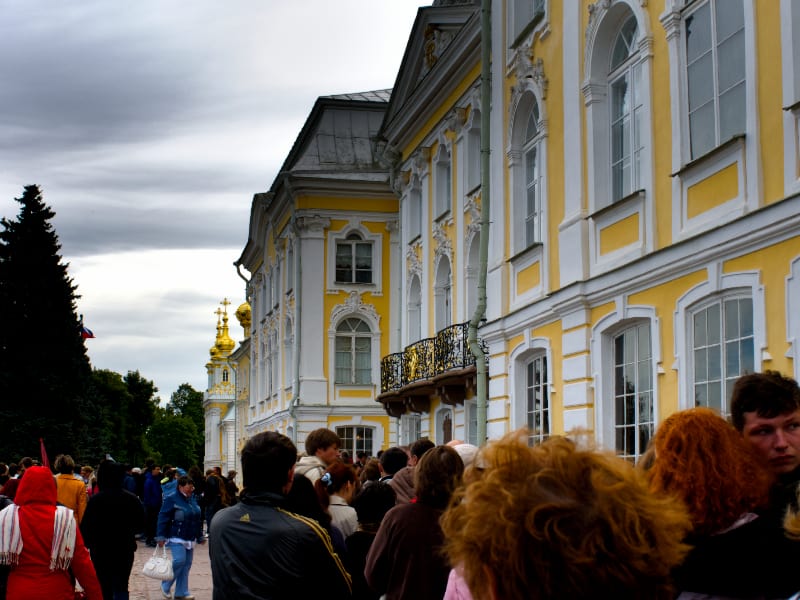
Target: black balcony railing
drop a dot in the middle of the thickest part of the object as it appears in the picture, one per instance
(428, 358)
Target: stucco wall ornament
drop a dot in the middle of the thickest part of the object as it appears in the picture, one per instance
(443, 244)
(413, 264)
(354, 306)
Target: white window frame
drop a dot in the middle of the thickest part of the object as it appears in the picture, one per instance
(443, 294)
(716, 286)
(790, 63)
(530, 350)
(439, 419)
(353, 447)
(442, 182)
(520, 147)
(353, 336)
(355, 227)
(414, 211)
(410, 428)
(724, 379)
(414, 310)
(602, 360)
(353, 242)
(642, 367)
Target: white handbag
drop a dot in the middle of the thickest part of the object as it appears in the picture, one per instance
(159, 566)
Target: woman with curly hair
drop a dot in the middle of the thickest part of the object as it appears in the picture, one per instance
(702, 460)
(557, 521)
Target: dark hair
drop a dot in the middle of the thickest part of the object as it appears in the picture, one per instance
(110, 475)
(437, 476)
(303, 500)
(768, 394)
(420, 447)
(267, 458)
(184, 479)
(322, 438)
(64, 464)
(394, 459)
(373, 502)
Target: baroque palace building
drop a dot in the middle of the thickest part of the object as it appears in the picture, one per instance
(644, 237)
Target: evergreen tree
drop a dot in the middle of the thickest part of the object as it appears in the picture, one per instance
(140, 416)
(44, 368)
(174, 437)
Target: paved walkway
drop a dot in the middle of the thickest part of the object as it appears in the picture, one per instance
(144, 588)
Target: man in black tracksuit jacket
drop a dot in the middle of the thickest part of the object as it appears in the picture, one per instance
(261, 551)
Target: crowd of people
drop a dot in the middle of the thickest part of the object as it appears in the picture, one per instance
(90, 555)
(710, 511)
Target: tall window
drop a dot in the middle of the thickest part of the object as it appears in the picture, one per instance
(715, 72)
(289, 267)
(633, 391)
(276, 359)
(414, 310)
(225, 376)
(444, 195)
(356, 439)
(443, 313)
(625, 82)
(353, 352)
(414, 213)
(537, 408)
(411, 427)
(268, 293)
(533, 181)
(723, 349)
(353, 260)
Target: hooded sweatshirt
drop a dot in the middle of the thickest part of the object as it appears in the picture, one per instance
(32, 578)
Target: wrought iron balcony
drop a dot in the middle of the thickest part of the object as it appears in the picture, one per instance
(428, 359)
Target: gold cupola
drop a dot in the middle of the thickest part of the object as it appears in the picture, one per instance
(225, 343)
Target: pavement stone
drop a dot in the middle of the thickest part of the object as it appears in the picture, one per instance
(145, 588)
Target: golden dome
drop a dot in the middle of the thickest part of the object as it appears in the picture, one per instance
(244, 315)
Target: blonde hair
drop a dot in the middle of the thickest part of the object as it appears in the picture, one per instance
(556, 521)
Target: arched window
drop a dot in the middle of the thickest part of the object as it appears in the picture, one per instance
(625, 91)
(414, 310)
(225, 375)
(527, 164)
(353, 352)
(634, 420)
(443, 182)
(443, 295)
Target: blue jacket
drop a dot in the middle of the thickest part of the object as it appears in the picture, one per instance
(152, 490)
(179, 518)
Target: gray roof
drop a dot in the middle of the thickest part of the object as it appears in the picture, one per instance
(373, 96)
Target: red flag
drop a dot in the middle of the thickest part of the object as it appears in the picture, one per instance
(43, 452)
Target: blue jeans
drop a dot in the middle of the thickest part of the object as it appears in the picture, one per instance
(181, 563)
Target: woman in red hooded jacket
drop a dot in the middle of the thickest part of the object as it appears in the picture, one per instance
(42, 544)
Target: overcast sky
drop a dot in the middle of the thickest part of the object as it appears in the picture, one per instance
(149, 125)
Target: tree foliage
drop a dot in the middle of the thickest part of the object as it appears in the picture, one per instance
(174, 437)
(44, 369)
(188, 402)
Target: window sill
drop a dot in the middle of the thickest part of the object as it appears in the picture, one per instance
(629, 199)
(523, 253)
(732, 141)
(792, 107)
(443, 216)
(417, 237)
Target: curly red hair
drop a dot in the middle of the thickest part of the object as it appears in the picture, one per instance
(702, 459)
(556, 521)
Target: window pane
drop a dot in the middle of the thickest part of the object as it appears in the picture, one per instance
(714, 362)
(701, 127)
(715, 396)
(700, 395)
(732, 364)
(701, 82)
(698, 33)
(730, 19)
(731, 319)
(731, 112)
(714, 324)
(730, 58)
(748, 359)
(701, 365)
(700, 338)
(746, 317)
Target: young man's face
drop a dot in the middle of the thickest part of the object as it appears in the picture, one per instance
(777, 439)
(328, 455)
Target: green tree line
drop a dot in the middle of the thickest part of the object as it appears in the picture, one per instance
(48, 388)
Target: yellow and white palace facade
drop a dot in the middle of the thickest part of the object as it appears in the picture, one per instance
(644, 236)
